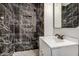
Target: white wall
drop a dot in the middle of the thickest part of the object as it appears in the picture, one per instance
(72, 32)
(48, 19)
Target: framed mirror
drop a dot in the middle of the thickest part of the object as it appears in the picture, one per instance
(66, 15)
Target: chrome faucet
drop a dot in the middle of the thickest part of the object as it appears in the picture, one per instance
(59, 36)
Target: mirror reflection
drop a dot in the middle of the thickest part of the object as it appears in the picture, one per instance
(70, 15)
(66, 15)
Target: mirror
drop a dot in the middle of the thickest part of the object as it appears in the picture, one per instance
(66, 15)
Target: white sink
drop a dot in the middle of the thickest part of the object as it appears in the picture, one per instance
(55, 42)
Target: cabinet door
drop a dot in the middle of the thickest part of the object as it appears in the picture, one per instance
(65, 51)
(44, 49)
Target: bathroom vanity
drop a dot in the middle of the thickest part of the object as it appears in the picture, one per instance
(52, 46)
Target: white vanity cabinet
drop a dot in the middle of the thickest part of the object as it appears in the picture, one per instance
(44, 49)
(49, 47)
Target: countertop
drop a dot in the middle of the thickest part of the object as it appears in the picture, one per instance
(53, 42)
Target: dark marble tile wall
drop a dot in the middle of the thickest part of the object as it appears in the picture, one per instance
(21, 24)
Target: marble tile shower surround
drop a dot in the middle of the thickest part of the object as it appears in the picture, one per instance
(21, 24)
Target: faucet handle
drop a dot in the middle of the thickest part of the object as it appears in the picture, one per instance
(56, 34)
(62, 37)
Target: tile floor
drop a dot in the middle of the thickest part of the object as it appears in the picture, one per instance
(27, 53)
